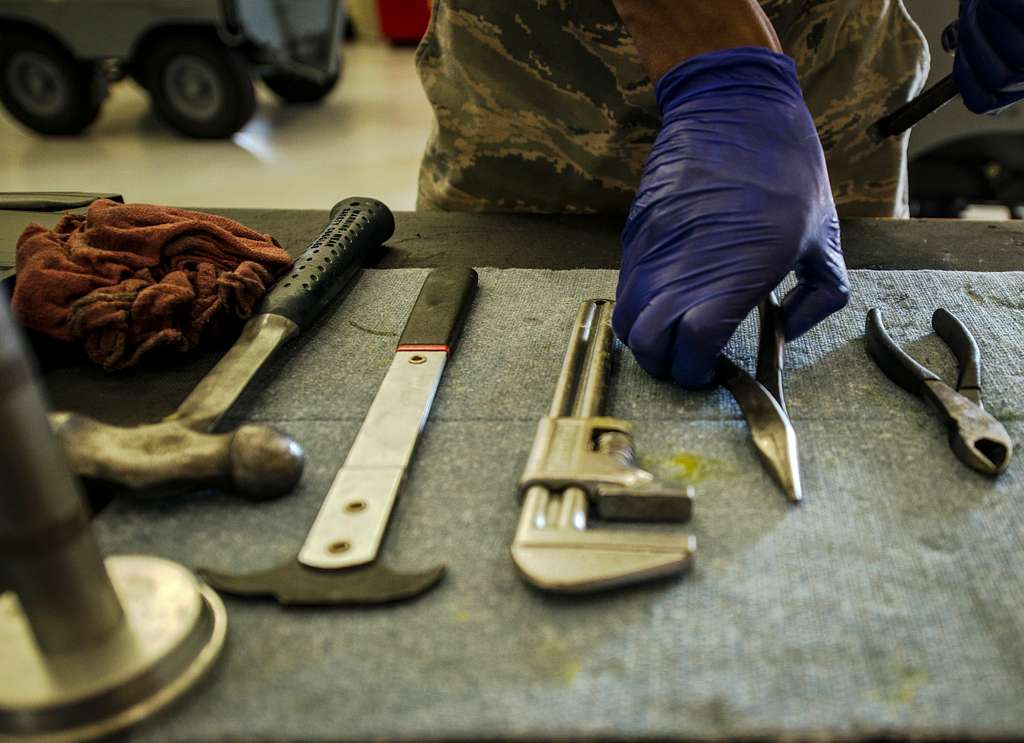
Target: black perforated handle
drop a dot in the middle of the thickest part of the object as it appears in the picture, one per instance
(440, 310)
(358, 227)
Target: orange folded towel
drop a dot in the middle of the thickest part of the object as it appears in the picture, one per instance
(125, 279)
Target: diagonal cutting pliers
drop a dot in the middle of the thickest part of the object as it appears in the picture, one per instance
(978, 439)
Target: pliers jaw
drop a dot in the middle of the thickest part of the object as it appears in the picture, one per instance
(979, 440)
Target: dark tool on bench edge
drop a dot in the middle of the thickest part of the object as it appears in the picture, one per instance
(978, 439)
(255, 460)
(762, 401)
(336, 564)
(927, 103)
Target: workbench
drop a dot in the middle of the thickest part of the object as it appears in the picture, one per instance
(889, 604)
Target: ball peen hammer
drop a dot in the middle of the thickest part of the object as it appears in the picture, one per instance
(255, 461)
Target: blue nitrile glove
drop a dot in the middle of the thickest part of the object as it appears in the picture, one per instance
(734, 196)
(989, 65)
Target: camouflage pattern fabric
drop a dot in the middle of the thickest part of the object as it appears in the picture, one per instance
(543, 105)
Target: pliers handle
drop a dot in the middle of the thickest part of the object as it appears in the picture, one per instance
(977, 438)
(771, 348)
(968, 358)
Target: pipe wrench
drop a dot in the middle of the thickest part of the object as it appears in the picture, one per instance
(583, 464)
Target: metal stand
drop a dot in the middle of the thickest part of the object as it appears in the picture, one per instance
(88, 648)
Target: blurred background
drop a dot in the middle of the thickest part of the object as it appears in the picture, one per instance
(335, 106)
(363, 135)
(962, 164)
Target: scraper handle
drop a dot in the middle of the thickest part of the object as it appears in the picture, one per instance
(440, 310)
(357, 228)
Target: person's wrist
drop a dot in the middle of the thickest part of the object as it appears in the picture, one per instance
(744, 70)
(667, 32)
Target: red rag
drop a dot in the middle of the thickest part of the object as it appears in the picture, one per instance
(125, 279)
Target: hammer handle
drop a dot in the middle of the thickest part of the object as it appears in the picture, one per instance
(358, 227)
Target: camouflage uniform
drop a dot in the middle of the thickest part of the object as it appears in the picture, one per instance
(543, 105)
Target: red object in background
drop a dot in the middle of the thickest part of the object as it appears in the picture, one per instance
(403, 21)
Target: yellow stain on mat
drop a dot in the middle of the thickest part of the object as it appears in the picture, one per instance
(682, 466)
(903, 688)
(570, 671)
(553, 660)
(462, 616)
(910, 684)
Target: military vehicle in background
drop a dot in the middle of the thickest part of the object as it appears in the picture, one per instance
(195, 58)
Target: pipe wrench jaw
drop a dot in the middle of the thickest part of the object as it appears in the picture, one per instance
(651, 502)
(596, 454)
(590, 561)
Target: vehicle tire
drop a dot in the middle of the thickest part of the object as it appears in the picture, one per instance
(45, 88)
(294, 89)
(199, 86)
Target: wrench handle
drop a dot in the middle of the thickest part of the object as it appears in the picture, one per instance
(358, 227)
(930, 101)
(910, 114)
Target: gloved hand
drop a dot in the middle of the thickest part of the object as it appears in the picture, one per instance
(734, 196)
(989, 65)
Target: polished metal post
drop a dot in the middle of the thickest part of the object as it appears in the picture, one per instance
(49, 556)
(88, 646)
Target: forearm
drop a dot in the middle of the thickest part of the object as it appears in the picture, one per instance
(668, 32)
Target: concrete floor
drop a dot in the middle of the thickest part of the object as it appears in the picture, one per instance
(365, 139)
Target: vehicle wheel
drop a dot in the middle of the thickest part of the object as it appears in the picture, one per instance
(45, 88)
(199, 86)
(295, 89)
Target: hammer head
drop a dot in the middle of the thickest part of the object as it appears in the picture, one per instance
(255, 461)
(295, 584)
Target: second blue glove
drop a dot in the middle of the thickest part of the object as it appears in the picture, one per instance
(734, 195)
(989, 66)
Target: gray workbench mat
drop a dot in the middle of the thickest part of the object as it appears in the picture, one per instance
(890, 601)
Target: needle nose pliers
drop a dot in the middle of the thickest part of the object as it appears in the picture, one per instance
(977, 438)
(762, 402)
